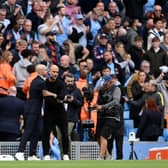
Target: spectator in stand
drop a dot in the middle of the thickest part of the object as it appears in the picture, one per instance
(53, 5)
(133, 31)
(50, 25)
(100, 49)
(111, 31)
(54, 49)
(3, 20)
(148, 24)
(44, 6)
(156, 56)
(119, 4)
(124, 60)
(20, 46)
(156, 14)
(13, 34)
(105, 71)
(27, 33)
(77, 31)
(145, 67)
(43, 57)
(115, 67)
(36, 17)
(72, 9)
(20, 72)
(94, 29)
(103, 14)
(149, 128)
(7, 78)
(13, 10)
(164, 44)
(64, 24)
(81, 53)
(149, 90)
(155, 32)
(66, 66)
(137, 52)
(137, 90)
(11, 110)
(113, 9)
(118, 20)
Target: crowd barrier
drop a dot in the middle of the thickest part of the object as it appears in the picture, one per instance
(89, 150)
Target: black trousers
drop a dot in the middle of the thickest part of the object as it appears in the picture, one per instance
(118, 137)
(32, 127)
(51, 120)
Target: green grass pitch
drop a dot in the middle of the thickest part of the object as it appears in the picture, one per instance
(85, 164)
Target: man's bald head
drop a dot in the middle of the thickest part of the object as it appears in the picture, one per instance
(54, 71)
(65, 61)
(41, 69)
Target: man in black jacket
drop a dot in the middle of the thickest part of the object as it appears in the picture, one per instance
(54, 113)
(72, 102)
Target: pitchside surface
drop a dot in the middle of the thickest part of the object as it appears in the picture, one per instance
(85, 164)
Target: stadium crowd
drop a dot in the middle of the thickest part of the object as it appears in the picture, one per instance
(65, 63)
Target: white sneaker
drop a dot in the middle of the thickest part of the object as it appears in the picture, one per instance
(19, 156)
(100, 158)
(65, 157)
(33, 158)
(108, 157)
(46, 157)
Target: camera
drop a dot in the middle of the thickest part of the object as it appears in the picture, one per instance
(88, 93)
(68, 96)
(132, 137)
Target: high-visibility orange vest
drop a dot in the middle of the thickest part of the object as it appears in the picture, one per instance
(27, 83)
(7, 78)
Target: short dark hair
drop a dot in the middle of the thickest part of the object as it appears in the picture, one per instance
(138, 38)
(83, 60)
(26, 53)
(105, 67)
(30, 68)
(70, 75)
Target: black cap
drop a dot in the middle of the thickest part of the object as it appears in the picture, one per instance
(103, 35)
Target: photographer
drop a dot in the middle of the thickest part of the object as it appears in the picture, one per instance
(72, 102)
(83, 81)
(110, 119)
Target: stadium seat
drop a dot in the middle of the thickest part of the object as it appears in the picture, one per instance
(160, 139)
(126, 107)
(165, 134)
(128, 124)
(126, 115)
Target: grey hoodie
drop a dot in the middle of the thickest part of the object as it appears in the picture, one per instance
(20, 71)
